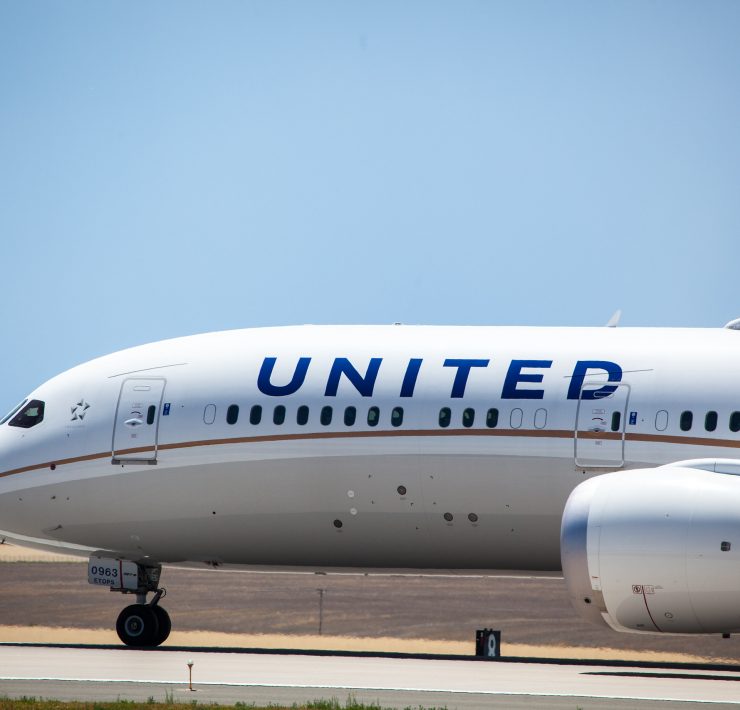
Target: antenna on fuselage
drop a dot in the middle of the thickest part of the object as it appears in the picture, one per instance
(614, 320)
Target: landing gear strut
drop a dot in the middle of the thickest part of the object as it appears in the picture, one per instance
(144, 624)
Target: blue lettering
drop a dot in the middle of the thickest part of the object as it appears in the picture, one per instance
(579, 374)
(299, 375)
(514, 376)
(409, 379)
(461, 376)
(364, 385)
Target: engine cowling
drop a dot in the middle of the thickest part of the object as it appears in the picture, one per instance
(656, 550)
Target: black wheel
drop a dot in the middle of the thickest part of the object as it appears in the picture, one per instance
(165, 625)
(138, 625)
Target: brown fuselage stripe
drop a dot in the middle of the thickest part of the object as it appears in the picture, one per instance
(530, 433)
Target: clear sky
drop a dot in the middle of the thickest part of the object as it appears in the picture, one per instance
(168, 168)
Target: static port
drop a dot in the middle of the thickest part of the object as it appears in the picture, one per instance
(338, 524)
(401, 490)
(472, 517)
(448, 517)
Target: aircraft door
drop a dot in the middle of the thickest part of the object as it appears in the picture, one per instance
(600, 427)
(136, 427)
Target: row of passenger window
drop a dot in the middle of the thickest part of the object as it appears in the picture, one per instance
(326, 415)
(468, 417)
(686, 421)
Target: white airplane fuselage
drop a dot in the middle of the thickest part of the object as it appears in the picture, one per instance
(136, 456)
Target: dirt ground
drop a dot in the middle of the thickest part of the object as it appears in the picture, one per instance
(51, 601)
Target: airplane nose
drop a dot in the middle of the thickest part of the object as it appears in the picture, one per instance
(9, 461)
(4, 456)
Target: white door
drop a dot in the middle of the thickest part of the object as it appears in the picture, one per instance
(600, 422)
(137, 421)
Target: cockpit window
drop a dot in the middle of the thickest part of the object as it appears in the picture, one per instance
(12, 412)
(30, 415)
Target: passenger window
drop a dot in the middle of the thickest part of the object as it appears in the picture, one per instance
(686, 421)
(29, 415)
(516, 417)
(150, 414)
(710, 421)
(397, 416)
(735, 421)
(232, 414)
(445, 415)
(302, 415)
(278, 416)
(326, 413)
(350, 414)
(540, 418)
(255, 414)
(616, 421)
(492, 418)
(661, 420)
(12, 412)
(373, 416)
(468, 417)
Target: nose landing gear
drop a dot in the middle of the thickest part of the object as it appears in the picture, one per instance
(144, 624)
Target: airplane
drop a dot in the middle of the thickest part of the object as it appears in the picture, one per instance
(610, 453)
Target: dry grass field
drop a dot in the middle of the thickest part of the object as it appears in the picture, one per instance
(51, 601)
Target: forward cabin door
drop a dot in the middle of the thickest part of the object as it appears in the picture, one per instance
(600, 427)
(136, 427)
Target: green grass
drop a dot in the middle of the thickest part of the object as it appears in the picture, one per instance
(26, 703)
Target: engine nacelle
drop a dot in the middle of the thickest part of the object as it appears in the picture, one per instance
(656, 550)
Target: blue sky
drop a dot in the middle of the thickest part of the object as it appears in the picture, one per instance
(168, 168)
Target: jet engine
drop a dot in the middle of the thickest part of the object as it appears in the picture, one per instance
(656, 550)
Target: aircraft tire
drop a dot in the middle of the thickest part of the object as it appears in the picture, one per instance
(164, 622)
(138, 625)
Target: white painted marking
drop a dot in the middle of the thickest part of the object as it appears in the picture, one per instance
(362, 673)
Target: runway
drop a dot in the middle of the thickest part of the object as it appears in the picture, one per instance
(99, 673)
